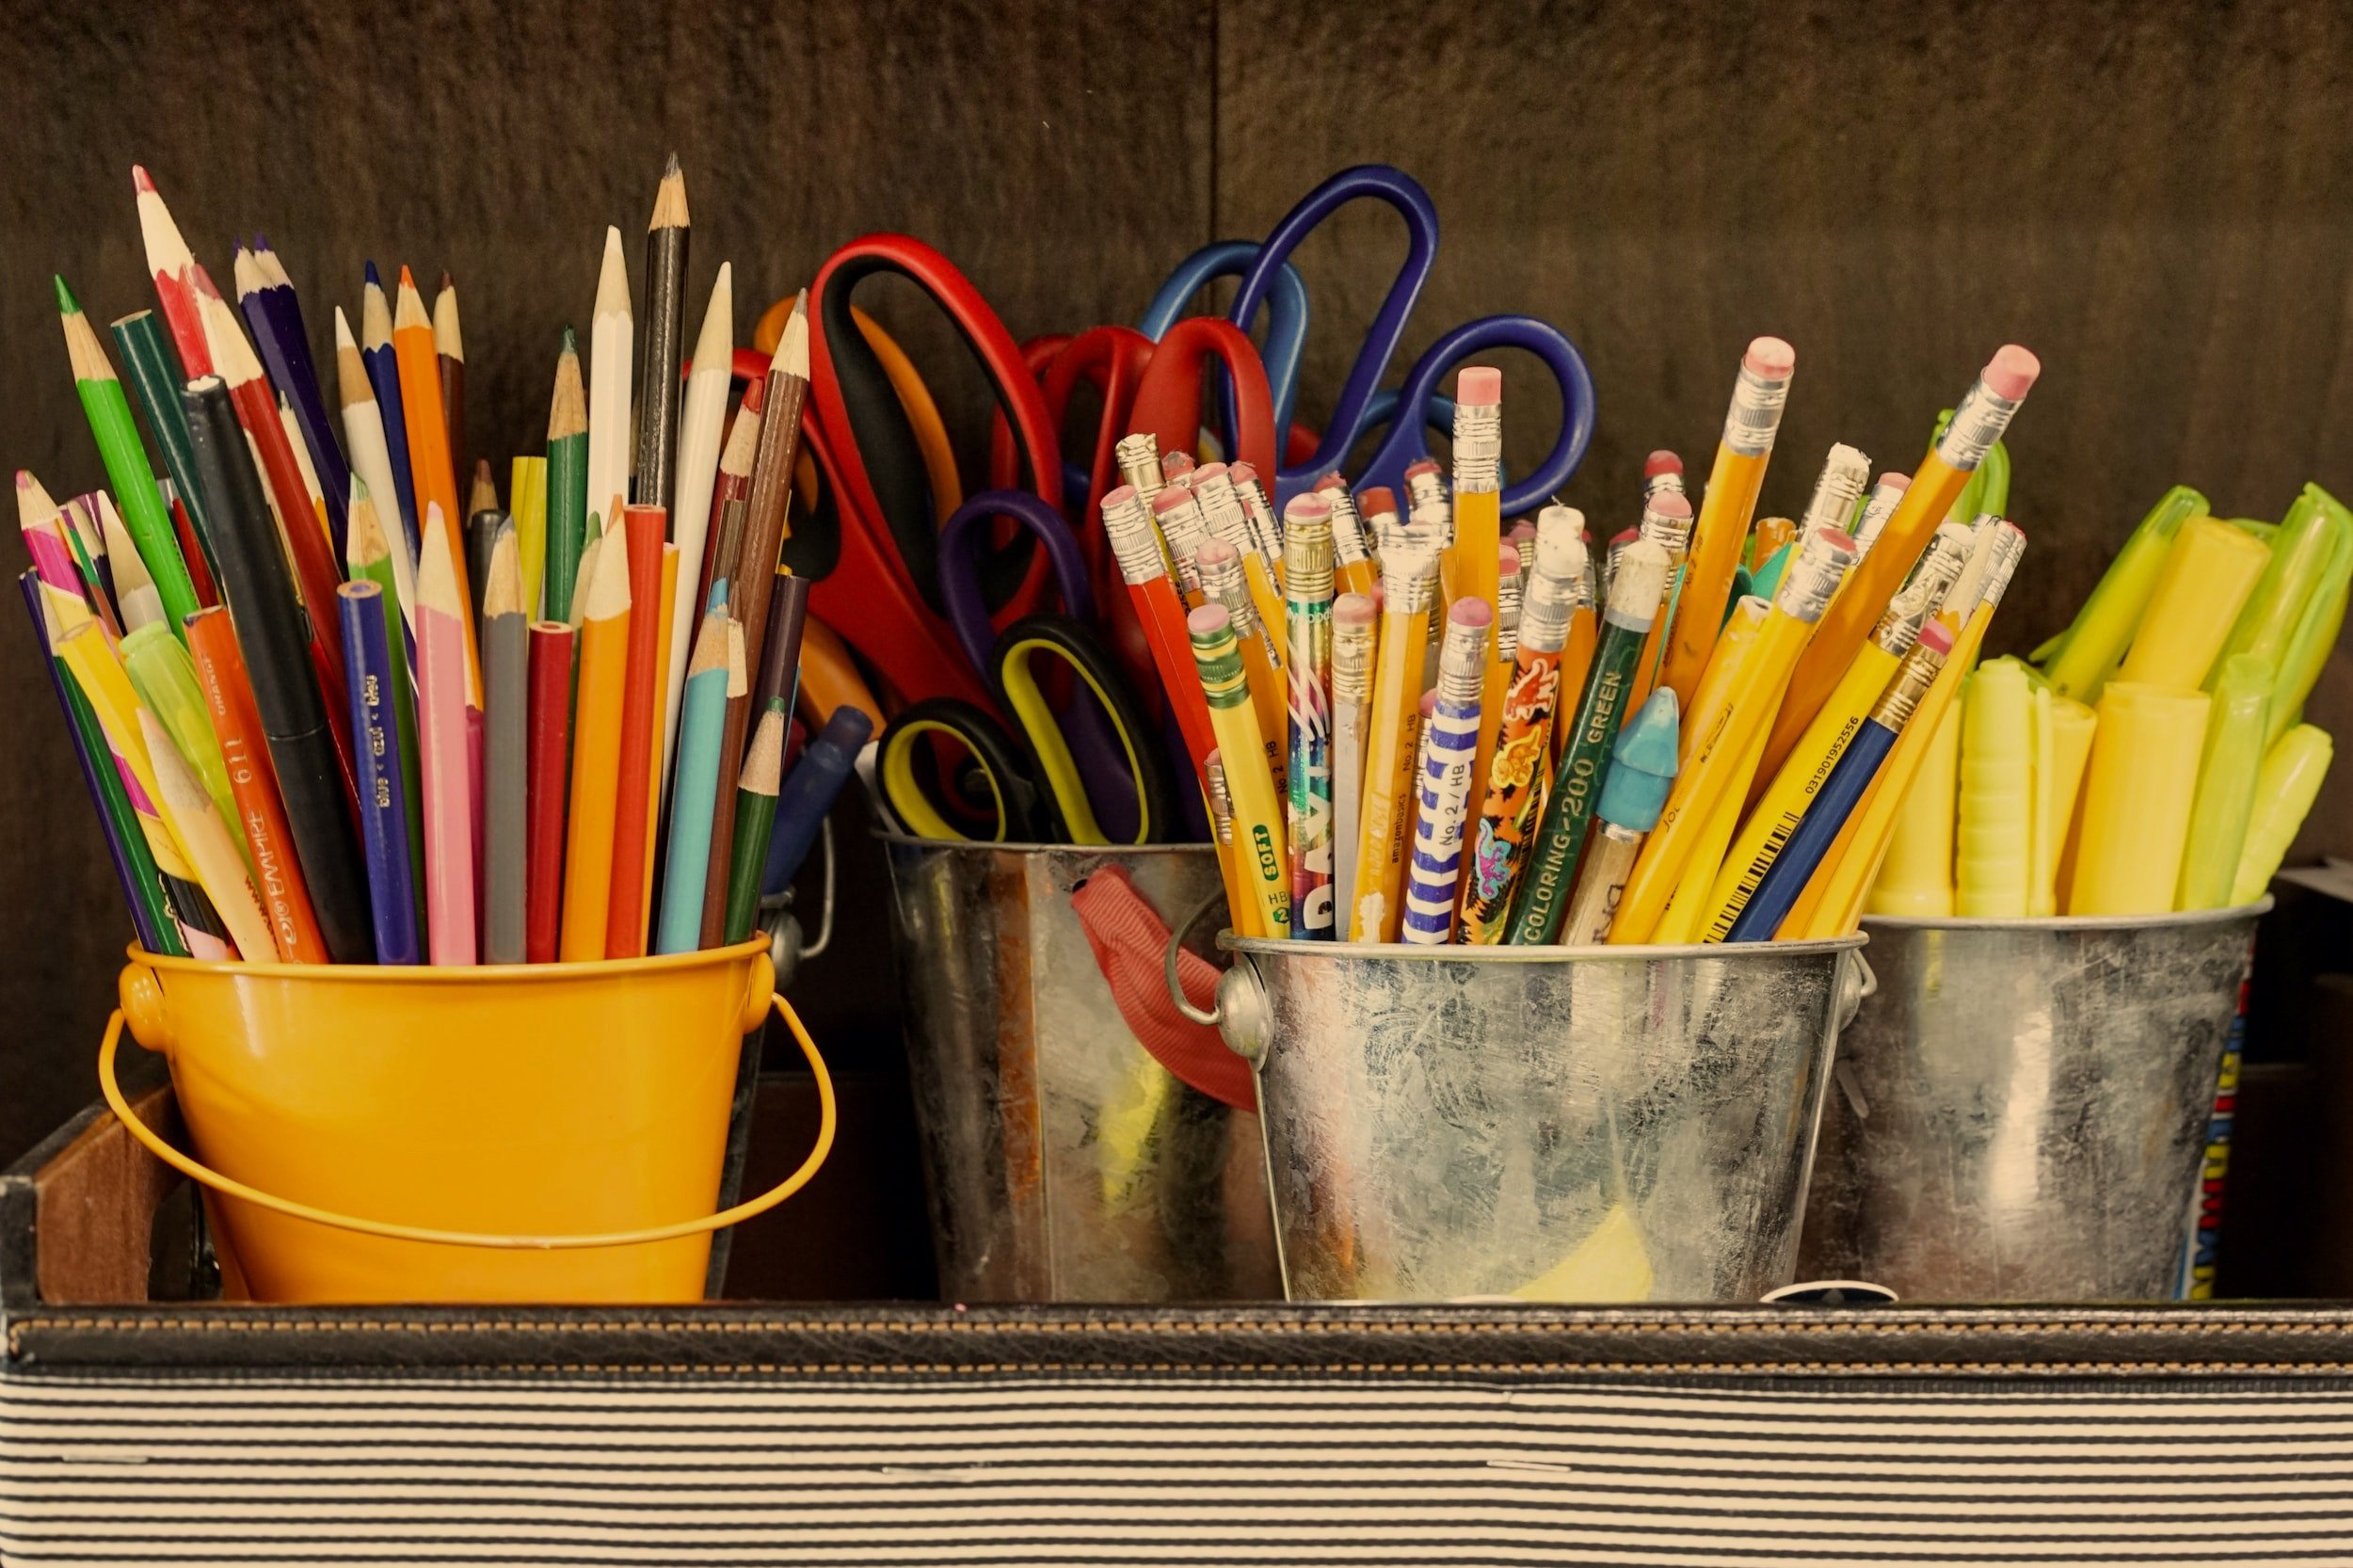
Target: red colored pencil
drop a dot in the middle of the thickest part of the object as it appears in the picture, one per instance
(641, 724)
(551, 752)
(168, 260)
(183, 527)
(732, 485)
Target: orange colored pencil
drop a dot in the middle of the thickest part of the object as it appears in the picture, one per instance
(641, 727)
(603, 658)
(220, 671)
(430, 468)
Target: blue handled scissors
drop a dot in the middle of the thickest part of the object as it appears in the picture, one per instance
(1363, 407)
(1078, 775)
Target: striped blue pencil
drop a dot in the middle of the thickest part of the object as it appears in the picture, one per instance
(702, 723)
(1450, 745)
(1777, 894)
(369, 671)
(375, 353)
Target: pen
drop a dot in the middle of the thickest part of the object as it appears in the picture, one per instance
(809, 792)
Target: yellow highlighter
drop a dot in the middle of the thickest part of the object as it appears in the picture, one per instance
(1916, 879)
(2227, 774)
(2137, 799)
(1261, 861)
(2042, 841)
(2208, 575)
(1782, 801)
(2284, 792)
(2073, 726)
(1722, 737)
(1993, 859)
(2080, 660)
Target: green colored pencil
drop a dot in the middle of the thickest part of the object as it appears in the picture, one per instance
(155, 375)
(1634, 597)
(567, 483)
(118, 448)
(755, 818)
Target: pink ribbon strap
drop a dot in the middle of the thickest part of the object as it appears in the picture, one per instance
(1131, 942)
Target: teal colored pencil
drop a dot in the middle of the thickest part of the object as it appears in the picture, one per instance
(702, 726)
(155, 375)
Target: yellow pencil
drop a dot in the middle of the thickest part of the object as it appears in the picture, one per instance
(1722, 737)
(1726, 505)
(1386, 816)
(1472, 566)
(527, 492)
(1221, 567)
(1261, 860)
(596, 757)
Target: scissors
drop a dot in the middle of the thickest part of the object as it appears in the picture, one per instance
(1287, 326)
(1362, 406)
(871, 544)
(1048, 784)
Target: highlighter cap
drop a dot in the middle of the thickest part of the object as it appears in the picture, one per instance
(1642, 770)
(846, 732)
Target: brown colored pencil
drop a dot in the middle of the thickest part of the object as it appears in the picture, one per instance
(663, 343)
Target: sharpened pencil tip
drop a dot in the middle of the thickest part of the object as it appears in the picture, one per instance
(375, 279)
(67, 304)
(141, 181)
(670, 167)
(407, 282)
(571, 341)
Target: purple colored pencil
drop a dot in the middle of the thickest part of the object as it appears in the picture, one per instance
(266, 296)
(369, 672)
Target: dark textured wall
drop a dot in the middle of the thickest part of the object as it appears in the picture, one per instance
(2156, 197)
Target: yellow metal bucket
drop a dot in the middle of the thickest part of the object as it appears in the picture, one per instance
(549, 1132)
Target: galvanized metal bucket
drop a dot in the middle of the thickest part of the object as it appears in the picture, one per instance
(1552, 1124)
(1064, 1162)
(2020, 1112)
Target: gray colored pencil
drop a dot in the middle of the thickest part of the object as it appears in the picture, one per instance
(506, 766)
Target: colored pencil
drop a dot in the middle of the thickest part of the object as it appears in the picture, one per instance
(168, 260)
(449, 360)
(445, 763)
(755, 817)
(375, 674)
(155, 373)
(229, 699)
(483, 529)
(753, 575)
(588, 558)
(302, 539)
(134, 865)
(383, 368)
(666, 589)
(527, 499)
(313, 782)
(372, 467)
(109, 412)
(505, 772)
(730, 489)
(194, 554)
(689, 850)
(266, 298)
(550, 757)
(666, 234)
(371, 557)
(568, 484)
(189, 812)
(625, 912)
(163, 677)
(137, 600)
(706, 411)
(429, 463)
(603, 644)
(611, 380)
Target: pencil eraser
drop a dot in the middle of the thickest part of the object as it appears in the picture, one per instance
(1174, 463)
(2010, 372)
(1208, 472)
(1936, 637)
(1769, 357)
(1353, 609)
(1429, 702)
(1330, 481)
(1895, 481)
(1471, 611)
(1241, 473)
(1671, 503)
(1310, 507)
(1113, 500)
(1627, 538)
(1169, 497)
(1208, 619)
(1377, 500)
(1215, 553)
(1837, 539)
(1660, 462)
(1427, 465)
(1481, 386)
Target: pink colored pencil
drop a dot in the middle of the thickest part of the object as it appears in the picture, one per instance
(447, 778)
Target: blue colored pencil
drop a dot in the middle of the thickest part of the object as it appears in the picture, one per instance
(702, 725)
(369, 672)
(375, 353)
(1451, 743)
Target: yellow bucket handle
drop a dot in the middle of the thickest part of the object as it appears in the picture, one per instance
(236, 1188)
